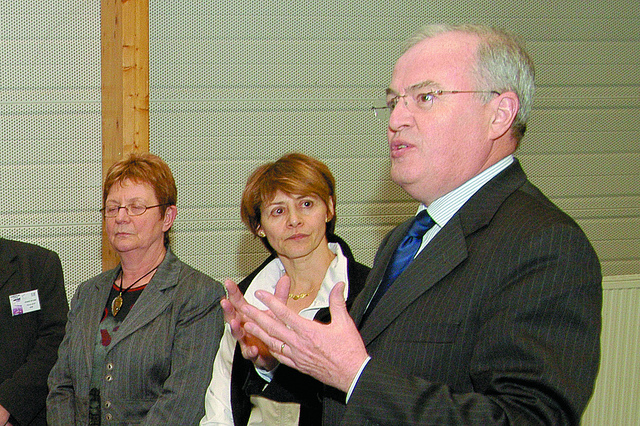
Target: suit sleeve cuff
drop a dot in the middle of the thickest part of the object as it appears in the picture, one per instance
(355, 379)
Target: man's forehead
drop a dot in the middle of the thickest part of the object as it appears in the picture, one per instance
(434, 62)
(447, 47)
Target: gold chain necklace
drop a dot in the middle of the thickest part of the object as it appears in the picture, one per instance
(298, 296)
(116, 304)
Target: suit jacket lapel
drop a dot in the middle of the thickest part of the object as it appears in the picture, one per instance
(444, 253)
(434, 262)
(382, 259)
(7, 265)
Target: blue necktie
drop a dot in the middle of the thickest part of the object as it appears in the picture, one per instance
(403, 255)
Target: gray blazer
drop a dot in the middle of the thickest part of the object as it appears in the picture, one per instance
(160, 361)
(496, 321)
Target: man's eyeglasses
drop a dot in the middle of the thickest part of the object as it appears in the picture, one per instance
(131, 209)
(417, 100)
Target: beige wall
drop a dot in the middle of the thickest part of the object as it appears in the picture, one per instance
(50, 145)
(237, 83)
(240, 83)
(246, 83)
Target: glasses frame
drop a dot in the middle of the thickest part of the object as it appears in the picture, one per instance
(127, 208)
(384, 113)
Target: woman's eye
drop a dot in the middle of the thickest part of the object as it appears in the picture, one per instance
(307, 203)
(277, 212)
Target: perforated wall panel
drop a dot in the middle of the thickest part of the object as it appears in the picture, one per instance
(236, 83)
(50, 162)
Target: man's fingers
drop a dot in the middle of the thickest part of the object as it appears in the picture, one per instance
(249, 352)
(285, 316)
(337, 304)
(236, 330)
(228, 310)
(282, 289)
(266, 328)
(234, 295)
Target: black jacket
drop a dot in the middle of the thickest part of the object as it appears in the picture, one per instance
(29, 341)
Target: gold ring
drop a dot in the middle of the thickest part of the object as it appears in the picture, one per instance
(282, 347)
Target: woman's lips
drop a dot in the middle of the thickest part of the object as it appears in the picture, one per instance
(297, 236)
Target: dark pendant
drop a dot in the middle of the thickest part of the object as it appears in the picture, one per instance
(116, 305)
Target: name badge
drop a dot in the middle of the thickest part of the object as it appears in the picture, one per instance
(23, 303)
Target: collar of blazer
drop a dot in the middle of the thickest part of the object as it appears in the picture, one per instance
(153, 300)
(447, 249)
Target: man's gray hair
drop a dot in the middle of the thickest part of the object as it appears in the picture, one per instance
(502, 65)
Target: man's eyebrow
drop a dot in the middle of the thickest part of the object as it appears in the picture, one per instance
(422, 85)
(416, 86)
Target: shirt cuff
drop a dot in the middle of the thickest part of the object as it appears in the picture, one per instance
(266, 375)
(355, 379)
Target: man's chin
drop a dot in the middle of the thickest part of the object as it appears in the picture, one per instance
(399, 175)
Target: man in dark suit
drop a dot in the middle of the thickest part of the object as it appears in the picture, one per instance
(33, 314)
(496, 318)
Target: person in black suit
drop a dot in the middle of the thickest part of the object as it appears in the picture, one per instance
(33, 314)
(496, 319)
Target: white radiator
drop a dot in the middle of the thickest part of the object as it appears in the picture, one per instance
(616, 400)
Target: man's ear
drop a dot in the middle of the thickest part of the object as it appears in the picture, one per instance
(506, 107)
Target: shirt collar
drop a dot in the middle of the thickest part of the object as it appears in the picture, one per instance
(443, 209)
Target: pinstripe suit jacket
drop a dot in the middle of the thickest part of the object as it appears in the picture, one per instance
(159, 363)
(496, 321)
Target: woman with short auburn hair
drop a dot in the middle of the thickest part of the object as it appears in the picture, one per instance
(290, 205)
(140, 337)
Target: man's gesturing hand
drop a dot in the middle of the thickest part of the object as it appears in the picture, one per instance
(332, 353)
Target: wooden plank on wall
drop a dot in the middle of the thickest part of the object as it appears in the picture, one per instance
(125, 87)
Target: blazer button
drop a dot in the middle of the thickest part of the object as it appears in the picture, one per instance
(108, 417)
(107, 404)
(110, 366)
(109, 378)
